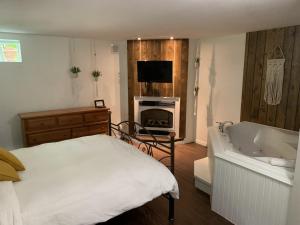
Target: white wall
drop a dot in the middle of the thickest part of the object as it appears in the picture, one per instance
(294, 204)
(220, 82)
(43, 82)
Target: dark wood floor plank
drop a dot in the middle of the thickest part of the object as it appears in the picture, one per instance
(193, 207)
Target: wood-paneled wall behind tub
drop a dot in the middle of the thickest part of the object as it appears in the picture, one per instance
(173, 50)
(259, 48)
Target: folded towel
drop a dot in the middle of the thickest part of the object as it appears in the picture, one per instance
(289, 163)
(264, 159)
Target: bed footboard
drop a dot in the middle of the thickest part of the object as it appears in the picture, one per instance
(129, 131)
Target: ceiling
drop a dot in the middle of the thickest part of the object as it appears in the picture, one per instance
(127, 19)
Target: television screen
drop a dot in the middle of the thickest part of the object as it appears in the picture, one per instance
(155, 71)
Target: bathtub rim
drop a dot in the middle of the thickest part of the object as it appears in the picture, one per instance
(218, 148)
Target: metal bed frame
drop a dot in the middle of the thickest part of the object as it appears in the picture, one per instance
(128, 132)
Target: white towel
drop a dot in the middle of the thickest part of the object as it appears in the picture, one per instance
(264, 159)
(290, 163)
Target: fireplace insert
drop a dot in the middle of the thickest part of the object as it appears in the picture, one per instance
(159, 118)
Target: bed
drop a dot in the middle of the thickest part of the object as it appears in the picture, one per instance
(88, 180)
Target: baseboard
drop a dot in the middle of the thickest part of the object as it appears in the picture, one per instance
(202, 185)
(201, 142)
(188, 140)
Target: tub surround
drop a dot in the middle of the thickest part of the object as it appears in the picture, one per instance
(245, 197)
(294, 203)
(240, 181)
(238, 147)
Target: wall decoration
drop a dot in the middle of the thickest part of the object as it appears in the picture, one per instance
(274, 79)
(75, 70)
(96, 74)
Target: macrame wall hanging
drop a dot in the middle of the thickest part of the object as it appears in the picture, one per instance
(274, 78)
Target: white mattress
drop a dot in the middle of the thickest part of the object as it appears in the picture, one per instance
(87, 180)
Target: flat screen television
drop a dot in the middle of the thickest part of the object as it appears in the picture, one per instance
(155, 71)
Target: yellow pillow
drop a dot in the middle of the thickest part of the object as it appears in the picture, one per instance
(8, 157)
(7, 172)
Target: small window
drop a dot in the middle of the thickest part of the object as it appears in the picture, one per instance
(10, 50)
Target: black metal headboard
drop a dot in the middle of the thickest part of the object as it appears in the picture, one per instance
(129, 131)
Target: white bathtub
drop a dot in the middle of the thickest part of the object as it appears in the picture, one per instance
(246, 188)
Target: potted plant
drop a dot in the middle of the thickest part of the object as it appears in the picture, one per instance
(96, 74)
(75, 70)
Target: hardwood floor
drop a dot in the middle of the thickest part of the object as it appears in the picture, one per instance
(193, 207)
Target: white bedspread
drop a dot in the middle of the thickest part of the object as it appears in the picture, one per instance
(9, 205)
(87, 180)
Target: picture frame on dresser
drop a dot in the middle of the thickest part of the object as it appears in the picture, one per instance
(99, 103)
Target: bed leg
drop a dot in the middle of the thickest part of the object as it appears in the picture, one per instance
(109, 123)
(171, 209)
(172, 168)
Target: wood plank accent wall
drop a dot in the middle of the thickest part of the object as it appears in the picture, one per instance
(173, 50)
(259, 47)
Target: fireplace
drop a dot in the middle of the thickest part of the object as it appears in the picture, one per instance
(159, 115)
(157, 118)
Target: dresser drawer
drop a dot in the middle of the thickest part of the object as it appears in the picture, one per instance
(80, 132)
(96, 117)
(70, 120)
(35, 139)
(98, 129)
(90, 130)
(40, 124)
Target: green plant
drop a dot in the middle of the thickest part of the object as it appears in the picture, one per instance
(96, 74)
(75, 70)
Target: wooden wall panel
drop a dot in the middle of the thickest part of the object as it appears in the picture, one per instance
(173, 50)
(259, 48)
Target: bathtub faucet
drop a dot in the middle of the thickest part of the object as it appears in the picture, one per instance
(222, 125)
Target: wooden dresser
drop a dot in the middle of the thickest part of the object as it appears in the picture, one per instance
(58, 125)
